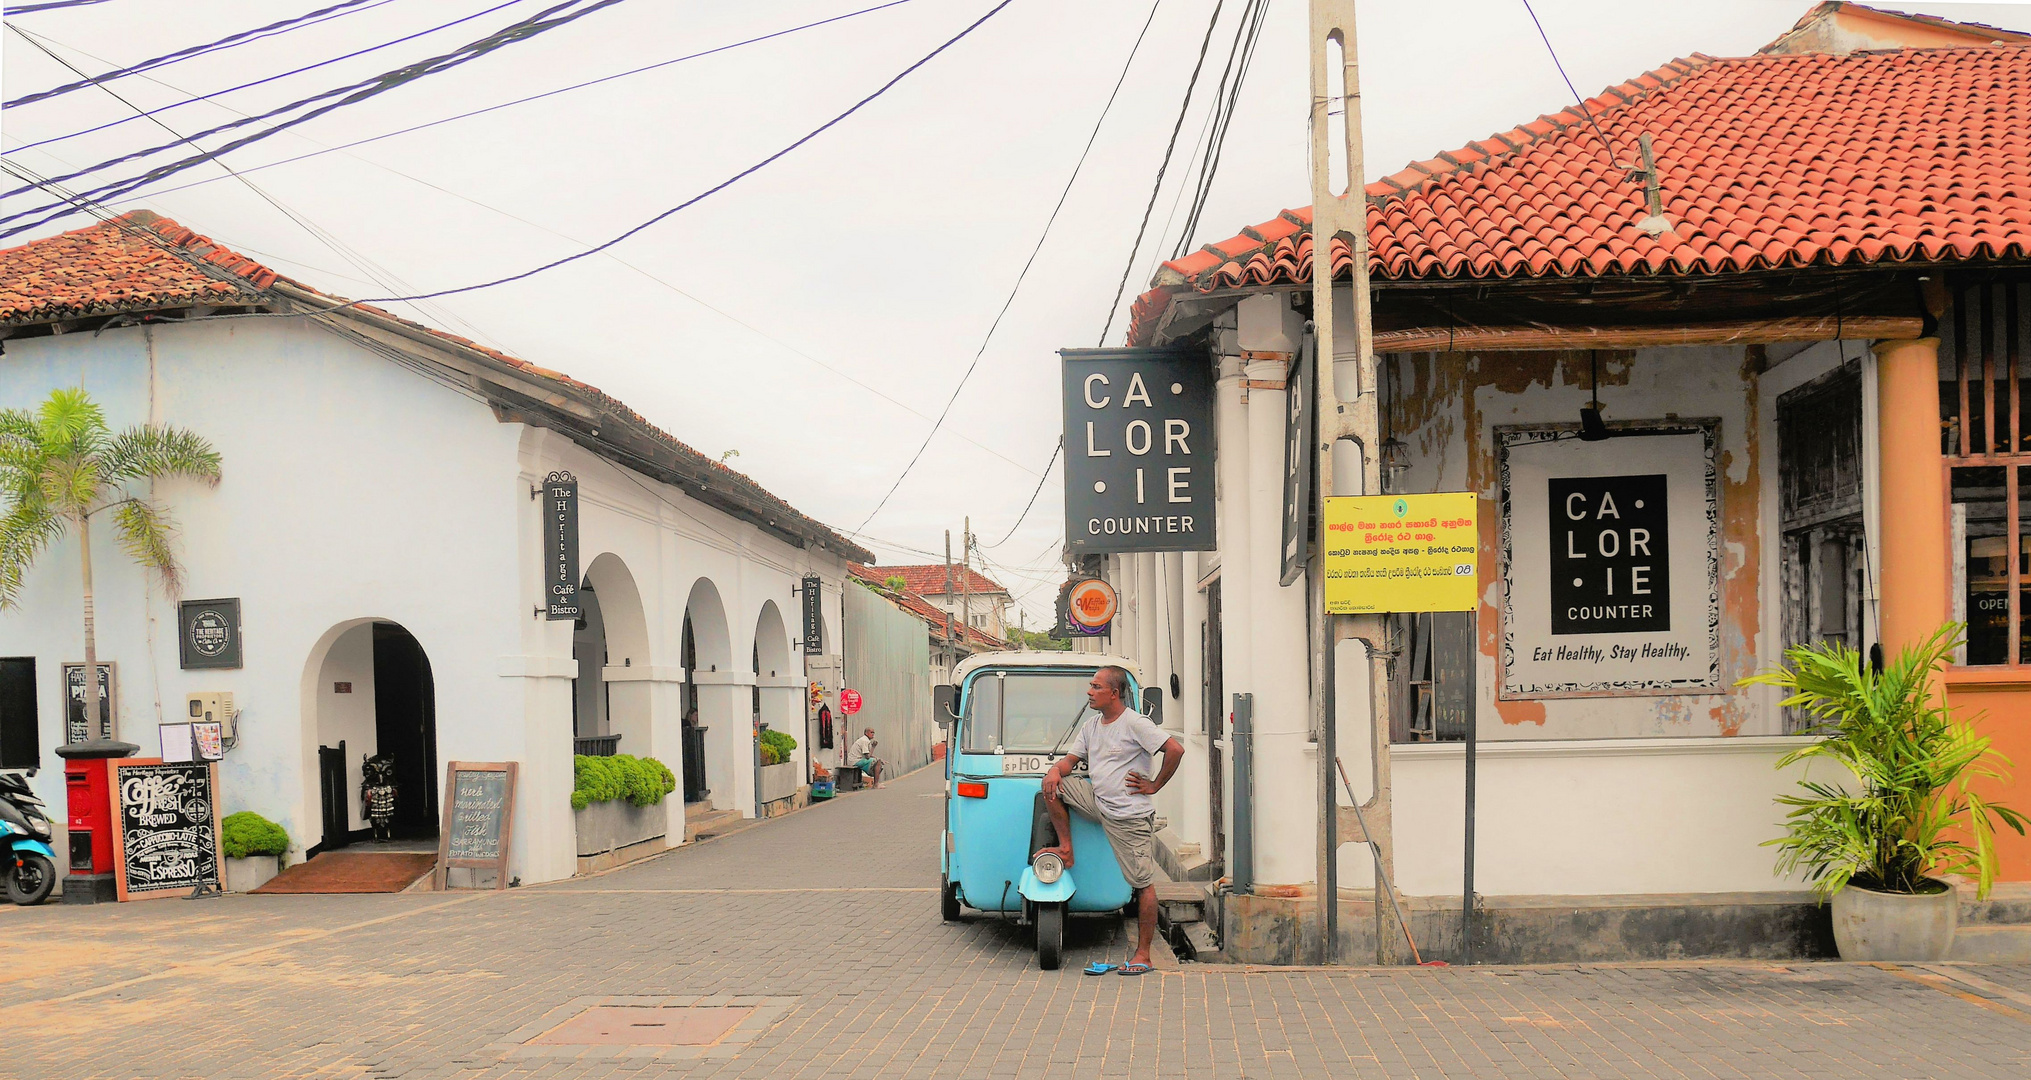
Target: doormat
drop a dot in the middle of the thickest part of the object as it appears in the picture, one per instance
(353, 872)
(662, 1028)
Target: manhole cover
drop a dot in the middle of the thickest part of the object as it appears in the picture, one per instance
(684, 1026)
(636, 1025)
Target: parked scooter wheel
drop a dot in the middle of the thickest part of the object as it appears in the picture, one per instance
(31, 878)
(948, 900)
(1050, 936)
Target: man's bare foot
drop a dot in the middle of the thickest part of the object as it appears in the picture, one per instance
(1141, 957)
(1062, 851)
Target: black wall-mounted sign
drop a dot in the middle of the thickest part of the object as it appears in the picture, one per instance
(209, 633)
(1299, 422)
(812, 592)
(1138, 450)
(75, 728)
(560, 546)
(1610, 554)
(167, 838)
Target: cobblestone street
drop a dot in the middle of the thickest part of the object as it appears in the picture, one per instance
(825, 924)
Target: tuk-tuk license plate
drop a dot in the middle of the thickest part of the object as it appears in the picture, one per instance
(1024, 763)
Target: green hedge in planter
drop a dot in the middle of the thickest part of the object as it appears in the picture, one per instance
(248, 833)
(776, 746)
(642, 781)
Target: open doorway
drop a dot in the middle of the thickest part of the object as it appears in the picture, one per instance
(374, 697)
(695, 789)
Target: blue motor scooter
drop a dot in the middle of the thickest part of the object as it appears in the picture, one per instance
(30, 863)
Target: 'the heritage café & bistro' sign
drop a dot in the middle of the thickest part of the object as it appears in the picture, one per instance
(560, 546)
(1138, 450)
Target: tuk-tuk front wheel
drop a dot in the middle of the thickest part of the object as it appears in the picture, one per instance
(1050, 936)
(948, 900)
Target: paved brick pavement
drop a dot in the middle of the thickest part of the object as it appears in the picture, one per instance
(835, 908)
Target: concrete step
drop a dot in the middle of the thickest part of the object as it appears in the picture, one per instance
(1992, 944)
(705, 822)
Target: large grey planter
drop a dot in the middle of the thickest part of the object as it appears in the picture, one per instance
(1871, 925)
(250, 873)
(609, 826)
(778, 781)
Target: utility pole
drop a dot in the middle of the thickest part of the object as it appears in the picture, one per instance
(1344, 215)
(950, 657)
(965, 572)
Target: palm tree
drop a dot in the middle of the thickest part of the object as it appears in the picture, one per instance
(60, 466)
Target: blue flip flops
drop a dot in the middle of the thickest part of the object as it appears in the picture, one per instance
(1097, 968)
(1135, 969)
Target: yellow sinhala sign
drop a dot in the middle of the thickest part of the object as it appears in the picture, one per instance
(1401, 553)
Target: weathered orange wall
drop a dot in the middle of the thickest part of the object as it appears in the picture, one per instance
(2006, 719)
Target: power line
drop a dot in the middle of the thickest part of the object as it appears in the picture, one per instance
(311, 18)
(1017, 287)
(1055, 451)
(30, 9)
(522, 30)
(545, 94)
(1607, 148)
(1209, 167)
(194, 98)
(1183, 107)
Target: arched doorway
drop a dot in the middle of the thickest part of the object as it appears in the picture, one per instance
(371, 694)
(610, 711)
(710, 724)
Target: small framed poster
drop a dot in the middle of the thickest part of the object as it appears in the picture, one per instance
(76, 730)
(209, 633)
(176, 744)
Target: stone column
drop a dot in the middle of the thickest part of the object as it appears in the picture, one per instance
(1917, 565)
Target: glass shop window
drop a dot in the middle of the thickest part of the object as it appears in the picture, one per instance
(1984, 338)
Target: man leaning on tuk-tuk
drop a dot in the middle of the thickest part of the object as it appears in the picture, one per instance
(1115, 793)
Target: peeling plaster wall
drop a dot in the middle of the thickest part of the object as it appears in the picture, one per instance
(1446, 407)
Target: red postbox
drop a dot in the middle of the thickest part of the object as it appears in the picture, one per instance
(88, 803)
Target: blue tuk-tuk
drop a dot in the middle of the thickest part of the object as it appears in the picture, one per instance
(1010, 717)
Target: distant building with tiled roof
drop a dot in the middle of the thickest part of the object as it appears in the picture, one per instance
(968, 594)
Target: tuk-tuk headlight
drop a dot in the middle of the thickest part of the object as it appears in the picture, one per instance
(1049, 866)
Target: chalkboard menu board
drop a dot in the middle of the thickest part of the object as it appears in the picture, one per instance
(166, 830)
(479, 816)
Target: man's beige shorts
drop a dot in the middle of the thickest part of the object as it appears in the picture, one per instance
(1133, 839)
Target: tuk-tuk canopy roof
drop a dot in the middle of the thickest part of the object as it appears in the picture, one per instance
(1073, 660)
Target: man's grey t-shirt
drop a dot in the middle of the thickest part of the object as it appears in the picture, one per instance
(1113, 750)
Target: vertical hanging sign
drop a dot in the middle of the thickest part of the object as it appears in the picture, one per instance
(812, 593)
(560, 546)
(1297, 465)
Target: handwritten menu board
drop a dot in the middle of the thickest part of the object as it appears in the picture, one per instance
(166, 831)
(479, 816)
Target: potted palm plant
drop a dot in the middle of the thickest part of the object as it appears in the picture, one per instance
(1875, 846)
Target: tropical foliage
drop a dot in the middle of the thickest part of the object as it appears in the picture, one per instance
(61, 468)
(1911, 811)
(642, 781)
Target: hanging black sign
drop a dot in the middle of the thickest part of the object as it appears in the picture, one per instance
(1138, 450)
(75, 728)
(167, 839)
(560, 546)
(1297, 464)
(812, 593)
(1610, 554)
(209, 633)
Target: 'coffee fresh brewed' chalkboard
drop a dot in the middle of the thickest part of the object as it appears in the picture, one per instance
(479, 816)
(166, 838)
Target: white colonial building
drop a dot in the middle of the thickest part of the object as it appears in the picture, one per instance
(376, 523)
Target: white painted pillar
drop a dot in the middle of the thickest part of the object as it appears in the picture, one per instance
(1230, 418)
(1149, 617)
(1191, 815)
(666, 740)
(725, 710)
(1286, 784)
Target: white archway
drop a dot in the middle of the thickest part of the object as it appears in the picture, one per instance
(719, 736)
(611, 646)
(367, 688)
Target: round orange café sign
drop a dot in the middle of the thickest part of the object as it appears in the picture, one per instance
(1091, 603)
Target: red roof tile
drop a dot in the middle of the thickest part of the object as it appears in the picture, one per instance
(143, 262)
(930, 580)
(1764, 162)
(910, 601)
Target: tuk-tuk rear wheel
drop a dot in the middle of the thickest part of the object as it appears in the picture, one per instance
(948, 900)
(1050, 936)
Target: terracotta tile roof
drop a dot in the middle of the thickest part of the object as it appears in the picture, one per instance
(142, 262)
(915, 604)
(1765, 162)
(930, 580)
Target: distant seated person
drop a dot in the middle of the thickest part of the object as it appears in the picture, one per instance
(864, 759)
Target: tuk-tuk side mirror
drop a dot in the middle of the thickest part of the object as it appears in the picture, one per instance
(1153, 704)
(945, 704)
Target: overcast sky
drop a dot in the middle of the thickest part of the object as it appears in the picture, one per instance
(816, 315)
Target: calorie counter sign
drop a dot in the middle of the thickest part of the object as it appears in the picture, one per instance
(849, 701)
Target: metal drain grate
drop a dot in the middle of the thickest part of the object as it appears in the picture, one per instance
(668, 1028)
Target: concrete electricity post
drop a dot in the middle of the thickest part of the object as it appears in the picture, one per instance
(1342, 214)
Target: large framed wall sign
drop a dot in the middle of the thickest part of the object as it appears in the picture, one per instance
(1611, 560)
(76, 730)
(1138, 450)
(166, 835)
(209, 633)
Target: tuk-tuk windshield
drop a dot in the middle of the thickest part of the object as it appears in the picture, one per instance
(1024, 711)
